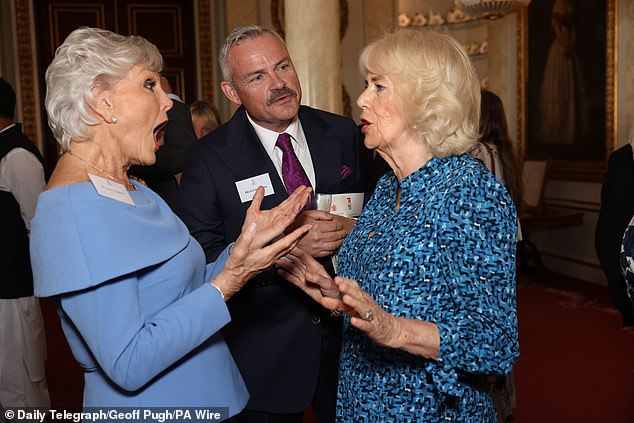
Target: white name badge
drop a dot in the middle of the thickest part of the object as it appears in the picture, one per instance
(111, 189)
(247, 187)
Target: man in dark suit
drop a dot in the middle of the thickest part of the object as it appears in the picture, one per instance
(163, 176)
(617, 208)
(286, 346)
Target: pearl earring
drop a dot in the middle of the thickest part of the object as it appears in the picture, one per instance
(114, 120)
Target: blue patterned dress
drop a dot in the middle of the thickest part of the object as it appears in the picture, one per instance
(627, 260)
(446, 256)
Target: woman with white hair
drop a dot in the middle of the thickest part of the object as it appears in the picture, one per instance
(428, 272)
(139, 307)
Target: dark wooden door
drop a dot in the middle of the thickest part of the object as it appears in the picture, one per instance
(167, 23)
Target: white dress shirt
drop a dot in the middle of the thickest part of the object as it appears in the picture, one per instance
(268, 139)
(22, 174)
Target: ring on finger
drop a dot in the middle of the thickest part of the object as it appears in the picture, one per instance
(368, 316)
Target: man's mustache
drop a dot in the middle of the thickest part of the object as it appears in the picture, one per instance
(280, 93)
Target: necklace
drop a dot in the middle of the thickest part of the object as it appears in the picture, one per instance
(125, 182)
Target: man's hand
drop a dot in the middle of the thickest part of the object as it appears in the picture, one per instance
(326, 234)
(346, 222)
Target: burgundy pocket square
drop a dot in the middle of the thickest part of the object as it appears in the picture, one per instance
(345, 172)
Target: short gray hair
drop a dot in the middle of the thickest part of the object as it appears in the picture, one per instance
(437, 88)
(89, 58)
(237, 36)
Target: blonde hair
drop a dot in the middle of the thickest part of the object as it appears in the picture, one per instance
(437, 89)
(89, 58)
(206, 111)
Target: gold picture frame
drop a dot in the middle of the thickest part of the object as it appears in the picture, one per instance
(585, 158)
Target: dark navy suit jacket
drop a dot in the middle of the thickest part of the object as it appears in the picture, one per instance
(276, 330)
(617, 208)
(179, 135)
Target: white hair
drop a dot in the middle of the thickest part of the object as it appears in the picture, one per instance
(90, 58)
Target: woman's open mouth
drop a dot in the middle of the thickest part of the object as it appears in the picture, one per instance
(158, 132)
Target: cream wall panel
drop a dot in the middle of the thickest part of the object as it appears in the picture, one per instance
(317, 59)
(378, 18)
(241, 12)
(351, 45)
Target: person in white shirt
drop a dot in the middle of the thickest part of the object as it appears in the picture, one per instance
(22, 340)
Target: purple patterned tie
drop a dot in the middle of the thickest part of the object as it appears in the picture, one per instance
(292, 171)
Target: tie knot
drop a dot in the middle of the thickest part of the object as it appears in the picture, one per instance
(284, 142)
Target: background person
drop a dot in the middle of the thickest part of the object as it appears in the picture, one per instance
(205, 117)
(495, 150)
(285, 345)
(22, 340)
(163, 177)
(428, 271)
(627, 262)
(617, 209)
(138, 306)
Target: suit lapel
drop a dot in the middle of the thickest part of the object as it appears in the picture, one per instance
(324, 150)
(245, 156)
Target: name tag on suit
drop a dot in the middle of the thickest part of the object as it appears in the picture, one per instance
(247, 187)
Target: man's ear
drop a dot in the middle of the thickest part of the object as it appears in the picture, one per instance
(230, 92)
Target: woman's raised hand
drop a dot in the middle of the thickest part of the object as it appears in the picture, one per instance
(272, 223)
(261, 242)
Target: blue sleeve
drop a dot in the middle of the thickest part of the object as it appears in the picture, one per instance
(132, 348)
(479, 334)
(212, 269)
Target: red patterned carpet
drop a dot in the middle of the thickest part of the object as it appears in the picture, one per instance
(576, 364)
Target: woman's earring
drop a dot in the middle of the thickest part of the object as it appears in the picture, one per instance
(114, 120)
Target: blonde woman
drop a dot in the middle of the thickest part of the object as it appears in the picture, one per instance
(428, 272)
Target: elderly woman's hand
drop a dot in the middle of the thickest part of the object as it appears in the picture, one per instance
(366, 315)
(272, 223)
(411, 335)
(303, 271)
(254, 250)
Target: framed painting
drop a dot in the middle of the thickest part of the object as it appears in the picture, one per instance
(566, 88)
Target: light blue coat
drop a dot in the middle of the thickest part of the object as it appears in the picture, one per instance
(135, 304)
